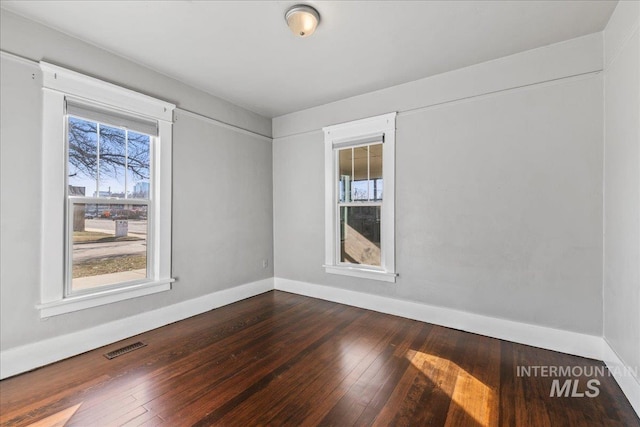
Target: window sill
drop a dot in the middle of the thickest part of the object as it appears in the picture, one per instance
(81, 302)
(364, 273)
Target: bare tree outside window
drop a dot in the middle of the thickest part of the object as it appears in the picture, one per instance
(122, 161)
(110, 236)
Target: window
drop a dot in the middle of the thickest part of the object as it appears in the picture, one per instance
(108, 183)
(106, 193)
(359, 198)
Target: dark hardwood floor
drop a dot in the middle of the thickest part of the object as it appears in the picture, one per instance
(282, 359)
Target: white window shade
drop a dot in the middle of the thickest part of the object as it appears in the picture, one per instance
(109, 116)
(353, 142)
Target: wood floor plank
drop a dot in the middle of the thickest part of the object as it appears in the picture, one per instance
(221, 360)
(145, 417)
(122, 417)
(341, 385)
(507, 384)
(387, 368)
(243, 379)
(314, 340)
(432, 376)
(287, 360)
(309, 375)
(475, 395)
(385, 392)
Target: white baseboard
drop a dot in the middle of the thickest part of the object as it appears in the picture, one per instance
(539, 336)
(629, 384)
(30, 356)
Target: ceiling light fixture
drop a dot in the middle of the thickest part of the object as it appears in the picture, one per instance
(302, 19)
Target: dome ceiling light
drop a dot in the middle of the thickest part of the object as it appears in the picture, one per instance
(302, 19)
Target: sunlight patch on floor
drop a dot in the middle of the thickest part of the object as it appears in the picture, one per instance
(58, 419)
(472, 396)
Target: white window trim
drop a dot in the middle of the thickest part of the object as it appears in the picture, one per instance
(354, 133)
(58, 82)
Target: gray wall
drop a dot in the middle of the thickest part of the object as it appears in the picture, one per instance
(222, 207)
(622, 184)
(498, 196)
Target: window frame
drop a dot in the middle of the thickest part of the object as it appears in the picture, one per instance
(72, 200)
(59, 83)
(353, 134)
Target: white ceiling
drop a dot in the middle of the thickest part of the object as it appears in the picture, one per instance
(244, 52)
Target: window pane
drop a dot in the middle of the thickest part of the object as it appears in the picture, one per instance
(82, 157)
(359, 186)
(377, 189)
(138, 162)
(375, 172)
(345, 173)
(109, 245)
(112, 161)
(360, 235)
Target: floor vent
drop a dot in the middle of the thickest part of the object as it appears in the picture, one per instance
(119, 352)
